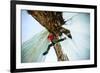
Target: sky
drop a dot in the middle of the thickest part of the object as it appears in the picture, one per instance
(29, 26)
(77, 49)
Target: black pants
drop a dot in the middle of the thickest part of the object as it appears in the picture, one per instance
(52, 44)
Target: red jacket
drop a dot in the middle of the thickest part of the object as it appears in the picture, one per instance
(51, 37)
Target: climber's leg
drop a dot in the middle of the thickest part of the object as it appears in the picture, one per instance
(47, 49)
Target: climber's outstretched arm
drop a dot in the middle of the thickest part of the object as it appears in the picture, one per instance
(52, 44)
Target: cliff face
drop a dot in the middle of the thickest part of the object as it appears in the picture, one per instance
(52, 21)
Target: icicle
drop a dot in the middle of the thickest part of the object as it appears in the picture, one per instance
(33, 49)
(78, 48)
